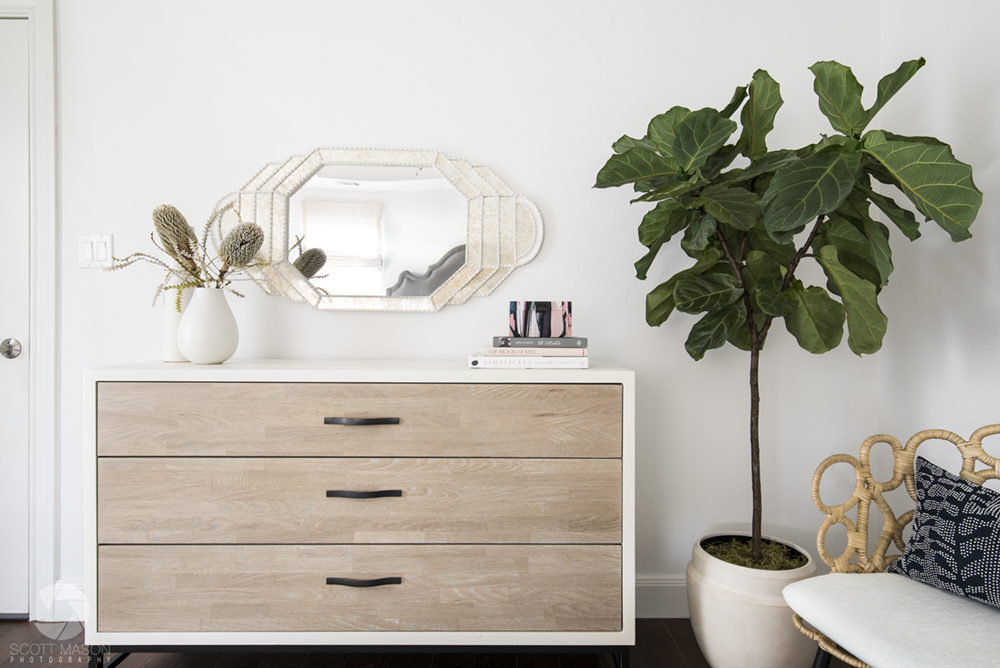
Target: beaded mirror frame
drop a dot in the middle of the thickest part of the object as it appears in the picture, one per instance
(504, 229)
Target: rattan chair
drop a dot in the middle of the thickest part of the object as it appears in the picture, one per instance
(857, 558)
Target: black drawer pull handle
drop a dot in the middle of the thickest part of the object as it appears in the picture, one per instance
(378, 582)
(349, 494)
(358, 422)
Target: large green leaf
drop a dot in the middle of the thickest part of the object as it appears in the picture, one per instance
(866, 324)
(840, 97)
(660, 300)
(902, 218)
(735, 102)
(770, 299)
(762, 264)
(696, 294)
(713, 329)
(853, 248)
(891, 83)
(757, 116)
(672, 188)
(758, 266)
(733, 206)
(626, 142)
(699, 234)
(856, 208)
(939, 186)
(806, 189)
(660, 303)
(758, 239)
(635, 164)
(740, 336)
(667, 217)
(931, 141)
(719, 160)
(700, 134)
(768, 164)
(817, 322)
(662, 131)
(646, 261)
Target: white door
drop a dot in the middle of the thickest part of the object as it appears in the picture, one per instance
(14, 224)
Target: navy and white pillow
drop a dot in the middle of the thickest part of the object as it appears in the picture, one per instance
(955, 544)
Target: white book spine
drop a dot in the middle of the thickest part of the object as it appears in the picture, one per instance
(516, 362)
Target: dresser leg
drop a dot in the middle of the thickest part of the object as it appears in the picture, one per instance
(621, 659)
(98, 658)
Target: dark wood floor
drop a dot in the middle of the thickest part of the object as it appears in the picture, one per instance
(659, 643)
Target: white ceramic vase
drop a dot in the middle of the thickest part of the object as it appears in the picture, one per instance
(738, 614)
(171, 321)
(207, 333)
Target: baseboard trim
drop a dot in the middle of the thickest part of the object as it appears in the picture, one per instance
(661, 597)
(64, 602)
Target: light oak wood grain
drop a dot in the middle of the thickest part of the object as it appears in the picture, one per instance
(286, 419)
(177, 588)
(283, 500)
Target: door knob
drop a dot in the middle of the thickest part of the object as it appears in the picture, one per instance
(10, 348)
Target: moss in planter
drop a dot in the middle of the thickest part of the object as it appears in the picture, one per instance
(738, 550)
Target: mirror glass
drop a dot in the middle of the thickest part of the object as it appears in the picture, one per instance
(377, 225)
(401, 230)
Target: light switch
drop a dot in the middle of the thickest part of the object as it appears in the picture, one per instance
(96, 250)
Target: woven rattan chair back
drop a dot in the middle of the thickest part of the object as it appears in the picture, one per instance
(977, 467)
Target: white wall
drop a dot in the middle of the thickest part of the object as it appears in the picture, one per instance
(941, 366)
(182, 101)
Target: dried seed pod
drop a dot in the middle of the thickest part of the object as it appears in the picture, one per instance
(178, 238)
(241, 245)
(310, 262)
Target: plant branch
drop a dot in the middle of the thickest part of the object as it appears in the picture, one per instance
(733, 262)
(792, 266)
(737, 265)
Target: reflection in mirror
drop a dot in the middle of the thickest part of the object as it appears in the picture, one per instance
(378, 226)
(401, 230)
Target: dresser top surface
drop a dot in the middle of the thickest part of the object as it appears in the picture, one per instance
(416, 371)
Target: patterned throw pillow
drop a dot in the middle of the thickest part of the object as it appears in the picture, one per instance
(955, 544)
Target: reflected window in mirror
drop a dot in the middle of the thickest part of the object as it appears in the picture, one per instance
(377, 225)
(351, 235)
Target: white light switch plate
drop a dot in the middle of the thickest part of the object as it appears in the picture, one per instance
(96, 250)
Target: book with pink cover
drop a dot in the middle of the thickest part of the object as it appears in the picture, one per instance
(548, 351)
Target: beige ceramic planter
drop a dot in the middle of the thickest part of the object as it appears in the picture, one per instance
(739, 616)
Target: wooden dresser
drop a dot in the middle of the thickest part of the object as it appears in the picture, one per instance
(318, 503)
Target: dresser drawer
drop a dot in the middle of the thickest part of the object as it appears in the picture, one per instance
(285, 500)
(287, 419)
(143, 588)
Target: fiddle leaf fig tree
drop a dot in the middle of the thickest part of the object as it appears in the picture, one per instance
(748, 228)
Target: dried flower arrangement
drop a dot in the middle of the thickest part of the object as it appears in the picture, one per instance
(195, 267)
(309, 261)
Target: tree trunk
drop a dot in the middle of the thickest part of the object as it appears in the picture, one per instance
(755, 446)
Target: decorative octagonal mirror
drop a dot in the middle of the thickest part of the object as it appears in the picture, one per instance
(401, 230)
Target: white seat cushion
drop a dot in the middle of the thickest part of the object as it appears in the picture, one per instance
(891, 621)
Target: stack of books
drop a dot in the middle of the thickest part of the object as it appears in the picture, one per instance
(533, 352)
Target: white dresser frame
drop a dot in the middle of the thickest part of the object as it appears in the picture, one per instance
(340, 371)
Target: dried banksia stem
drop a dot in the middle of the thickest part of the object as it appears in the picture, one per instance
(240, 246)
(310, 262)
(178, 238)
